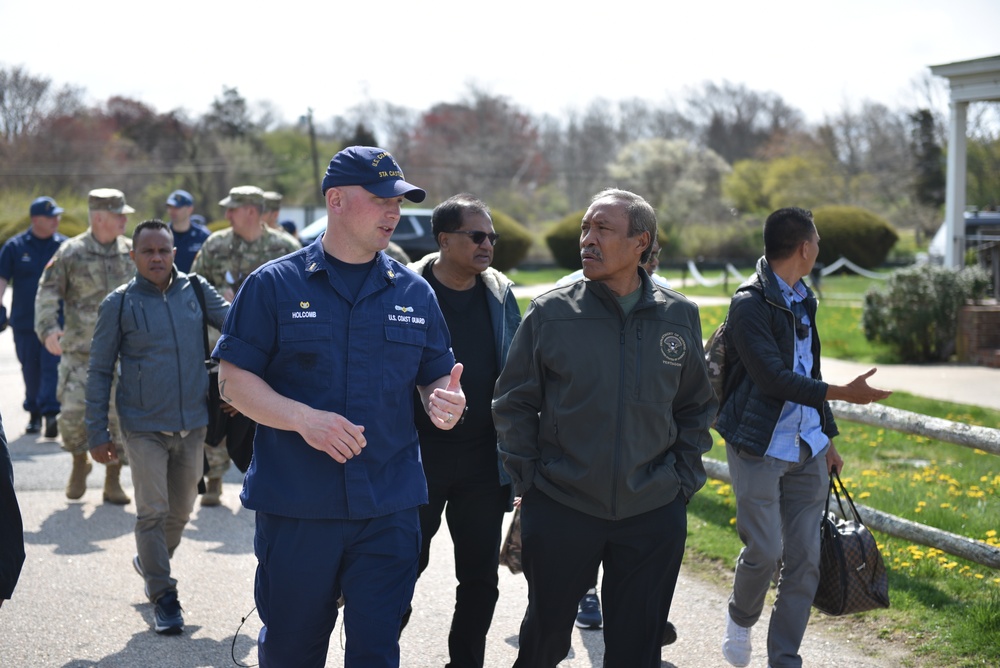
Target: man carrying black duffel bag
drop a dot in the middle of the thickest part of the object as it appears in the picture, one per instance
(779, 433)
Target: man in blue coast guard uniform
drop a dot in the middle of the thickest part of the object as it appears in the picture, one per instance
(323, 348)
(189, 231)
(22, 261)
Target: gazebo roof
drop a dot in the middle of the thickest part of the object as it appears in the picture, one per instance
(975, 80)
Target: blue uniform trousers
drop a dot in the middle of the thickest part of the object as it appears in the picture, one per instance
(40, 369)
(303, 567)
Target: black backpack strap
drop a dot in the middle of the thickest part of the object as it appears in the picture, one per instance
(199, 292)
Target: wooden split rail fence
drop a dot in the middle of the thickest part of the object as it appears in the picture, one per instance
(981, 438)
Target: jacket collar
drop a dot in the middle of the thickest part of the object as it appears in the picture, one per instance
(766, 281)
(315, 261)
(496, 282)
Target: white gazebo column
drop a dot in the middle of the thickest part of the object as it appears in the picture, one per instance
(954, 221)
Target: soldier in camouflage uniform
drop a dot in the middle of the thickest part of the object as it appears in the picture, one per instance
(80, 275)
(225, 260)
(272, 207)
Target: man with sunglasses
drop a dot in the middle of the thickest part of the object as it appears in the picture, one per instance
(464, 477)
(779, 434)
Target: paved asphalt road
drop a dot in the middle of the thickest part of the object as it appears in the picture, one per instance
(79, 603)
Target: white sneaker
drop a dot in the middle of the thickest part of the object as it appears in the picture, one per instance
(736, 643)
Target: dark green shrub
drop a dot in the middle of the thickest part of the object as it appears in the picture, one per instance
(564, 241)
(515, 240)
(917, 311)
(857, 234)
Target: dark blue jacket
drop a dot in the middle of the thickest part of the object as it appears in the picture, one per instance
(11, 529)
(760, 351)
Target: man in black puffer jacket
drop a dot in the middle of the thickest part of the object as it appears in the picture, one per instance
(779, 439)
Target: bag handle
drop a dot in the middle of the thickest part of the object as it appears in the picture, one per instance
(195, 282)
(836, 487)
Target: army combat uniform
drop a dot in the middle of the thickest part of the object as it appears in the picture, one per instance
(81, 274)
(225, 260)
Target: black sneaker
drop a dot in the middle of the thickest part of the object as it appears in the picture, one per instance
(51, 426)
(34, 424)
(588, 615)
(167, 611)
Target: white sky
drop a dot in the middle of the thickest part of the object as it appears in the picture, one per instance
(545, 56)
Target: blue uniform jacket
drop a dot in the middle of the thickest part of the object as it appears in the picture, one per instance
(22, 260)
(295, 324)
(188, 244)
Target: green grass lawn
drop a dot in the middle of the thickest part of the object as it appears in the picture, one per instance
(944, 609)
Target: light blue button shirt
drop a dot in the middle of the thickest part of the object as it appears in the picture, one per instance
(797, 422)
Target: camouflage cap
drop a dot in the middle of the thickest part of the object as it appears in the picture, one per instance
(108, 199)
(244, 196)
(272, 201)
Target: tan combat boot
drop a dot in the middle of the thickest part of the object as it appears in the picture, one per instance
(77, 484)
(113, 492)
(213, 492)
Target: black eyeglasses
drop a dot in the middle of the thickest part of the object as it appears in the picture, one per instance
(478, 236)
(799, 312)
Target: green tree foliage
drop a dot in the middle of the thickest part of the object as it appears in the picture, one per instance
(917, 311)
(744, 187)
(515, 240)
(681, 181)
(929, 180)
(801, 181)
(859, 235)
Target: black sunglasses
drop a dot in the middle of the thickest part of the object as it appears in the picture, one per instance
(478, 236)
(799, 312)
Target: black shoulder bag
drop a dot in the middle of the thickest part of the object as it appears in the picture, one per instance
(852, 575)
(238, 430)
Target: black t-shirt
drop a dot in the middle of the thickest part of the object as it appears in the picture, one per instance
(467, 314)
(353, 274)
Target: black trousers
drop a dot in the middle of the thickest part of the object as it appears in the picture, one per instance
(561, 549)
(474, 503)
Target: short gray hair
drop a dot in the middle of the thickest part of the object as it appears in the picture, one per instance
(641, 215)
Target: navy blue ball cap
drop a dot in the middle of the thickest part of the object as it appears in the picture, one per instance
(45, 206)
(374, 169)
(180, 198)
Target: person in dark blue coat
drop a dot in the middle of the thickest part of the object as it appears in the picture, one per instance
(11, 529)
(323, 349)
(189, 230)
(22, 260)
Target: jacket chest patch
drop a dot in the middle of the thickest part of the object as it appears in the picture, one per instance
(673, 348)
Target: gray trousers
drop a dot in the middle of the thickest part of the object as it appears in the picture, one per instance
(165, 473)
(779, 505)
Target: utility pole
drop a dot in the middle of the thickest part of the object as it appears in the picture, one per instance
(315, 153)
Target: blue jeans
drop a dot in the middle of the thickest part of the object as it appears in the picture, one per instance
(779, 505)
